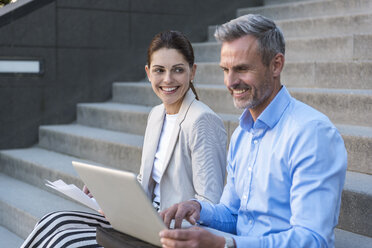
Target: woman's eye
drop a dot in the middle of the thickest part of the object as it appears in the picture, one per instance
(158, 70)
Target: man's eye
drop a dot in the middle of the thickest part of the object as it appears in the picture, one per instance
(241, 69)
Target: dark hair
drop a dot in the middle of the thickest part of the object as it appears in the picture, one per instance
(173, 40)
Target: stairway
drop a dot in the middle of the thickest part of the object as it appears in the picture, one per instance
(328, 66)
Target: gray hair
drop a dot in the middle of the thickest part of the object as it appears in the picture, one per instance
(269, 36)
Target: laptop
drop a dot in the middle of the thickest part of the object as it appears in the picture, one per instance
(125, 203)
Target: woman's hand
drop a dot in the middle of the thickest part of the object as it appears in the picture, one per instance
(87, 192)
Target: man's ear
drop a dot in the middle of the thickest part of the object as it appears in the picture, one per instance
(277, 64)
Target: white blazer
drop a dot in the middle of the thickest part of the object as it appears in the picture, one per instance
(196, 157)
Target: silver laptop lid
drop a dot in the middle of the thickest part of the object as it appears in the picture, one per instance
(123, 201)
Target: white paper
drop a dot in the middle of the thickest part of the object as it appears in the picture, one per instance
(73, 192)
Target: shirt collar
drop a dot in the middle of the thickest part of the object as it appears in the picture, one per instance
(271, 114)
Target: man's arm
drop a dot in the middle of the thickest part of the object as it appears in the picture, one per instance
(317, 166)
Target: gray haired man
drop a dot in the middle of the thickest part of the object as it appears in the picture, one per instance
(286, 161)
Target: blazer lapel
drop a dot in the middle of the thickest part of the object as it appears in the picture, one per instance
(189, 98)
(155, 125)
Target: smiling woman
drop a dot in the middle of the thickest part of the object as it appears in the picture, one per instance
(170, 76)
(184, 149)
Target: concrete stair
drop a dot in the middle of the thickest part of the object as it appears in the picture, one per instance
(328, 66)
(9, 239)
(22, 204)
(310, 8)
(327, 74)
(338, 47)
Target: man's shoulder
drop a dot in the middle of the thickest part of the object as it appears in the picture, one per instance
(301, 115)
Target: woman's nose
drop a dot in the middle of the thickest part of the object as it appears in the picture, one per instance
(167, 78)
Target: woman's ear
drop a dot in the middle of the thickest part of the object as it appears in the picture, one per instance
(147, 69)
(193, 71)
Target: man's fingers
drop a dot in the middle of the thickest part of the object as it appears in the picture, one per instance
(180, 237)
(193, 217)
(184, 212)
(172, 243)
(169, 214)
(180, 215)
(178, 234)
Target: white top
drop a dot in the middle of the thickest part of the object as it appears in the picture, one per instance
(159, 163)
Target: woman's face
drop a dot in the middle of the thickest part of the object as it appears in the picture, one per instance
(170, 75)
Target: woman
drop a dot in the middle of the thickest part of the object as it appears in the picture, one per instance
(184, 150)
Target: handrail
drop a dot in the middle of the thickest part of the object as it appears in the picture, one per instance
(18, 9)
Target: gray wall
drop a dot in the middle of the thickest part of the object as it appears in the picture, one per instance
(85, 46)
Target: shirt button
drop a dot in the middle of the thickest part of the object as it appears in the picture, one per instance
(250, 222)
(255, 142)
(244, 196)
(249, 168)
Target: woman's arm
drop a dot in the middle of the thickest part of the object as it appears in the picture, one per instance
(208, 155)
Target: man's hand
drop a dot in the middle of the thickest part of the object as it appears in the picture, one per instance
(192, 237)
(87, 192)
(189, 210)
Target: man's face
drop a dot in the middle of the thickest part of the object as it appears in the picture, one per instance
(248, 80)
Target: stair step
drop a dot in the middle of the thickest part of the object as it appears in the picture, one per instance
(313, 8)
(347, 75)
(356, 211)
(115, 149)
(345, 239)
(353, 107)
(358, 143)
(23, 205)
(326, 26)
(33, 165)
(128, 118)
(339, 47)
(344, 106)
(276, 2)
(8, 239)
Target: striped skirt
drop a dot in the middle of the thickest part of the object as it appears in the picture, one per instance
(66, 229)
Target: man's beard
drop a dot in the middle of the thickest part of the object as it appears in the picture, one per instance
(251, 101)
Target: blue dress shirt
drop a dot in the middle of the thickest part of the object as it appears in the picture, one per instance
(286, 172)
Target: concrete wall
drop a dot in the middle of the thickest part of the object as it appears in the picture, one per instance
(86, 45)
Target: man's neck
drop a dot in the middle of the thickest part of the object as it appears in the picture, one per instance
(255, 112)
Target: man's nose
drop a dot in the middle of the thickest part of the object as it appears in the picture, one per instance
(230, 79)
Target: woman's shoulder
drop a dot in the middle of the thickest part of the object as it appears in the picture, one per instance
(156, 110)
(199, 111)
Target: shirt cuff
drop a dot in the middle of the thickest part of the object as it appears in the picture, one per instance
(206, 213)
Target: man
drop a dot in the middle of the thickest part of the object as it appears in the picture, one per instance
(286, 161)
